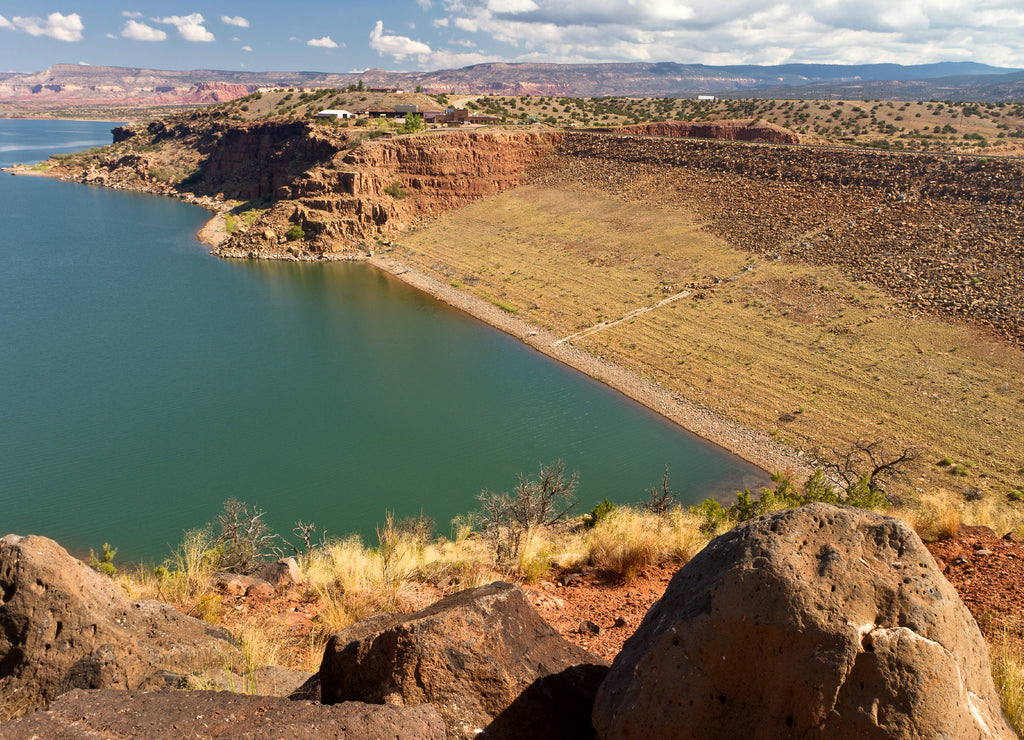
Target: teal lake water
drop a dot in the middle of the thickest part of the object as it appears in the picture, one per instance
(143, 382)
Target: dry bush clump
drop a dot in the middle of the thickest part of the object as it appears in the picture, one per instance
(627, 540)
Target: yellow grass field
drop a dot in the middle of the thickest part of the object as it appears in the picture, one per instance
(799, 352)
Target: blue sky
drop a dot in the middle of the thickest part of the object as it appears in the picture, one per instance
(343, 36)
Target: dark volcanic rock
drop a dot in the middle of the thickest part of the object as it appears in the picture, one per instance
(64, 626)
(222, 714)
(723, 130)
(822, 622)
(483, 657)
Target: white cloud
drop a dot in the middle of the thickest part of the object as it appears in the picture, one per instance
(4, 23)
(511, 6)
(141, 32)
(56, 26)
(399, 47)
(235, 20)
(425, 4)
(749, 31)
(246, 48)
(324, 42)
(190, 27)
(132, 14)
(441, 23)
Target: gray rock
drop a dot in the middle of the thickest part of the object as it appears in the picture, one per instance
(483, 657)
(283, 573)
(64, 626)
(169, 715)
(819, 622)
(587, 627)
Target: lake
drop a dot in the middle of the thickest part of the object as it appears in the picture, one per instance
(144, 382)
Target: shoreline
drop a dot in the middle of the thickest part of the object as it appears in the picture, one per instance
(747, 444)
(753, 447)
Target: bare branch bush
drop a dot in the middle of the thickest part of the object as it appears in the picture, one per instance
(661, 500)
(540, 501)
(867, 463)
(246, 541)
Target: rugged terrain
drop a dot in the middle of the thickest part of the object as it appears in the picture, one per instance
(874, 641)
(69, 85)
(820, 297)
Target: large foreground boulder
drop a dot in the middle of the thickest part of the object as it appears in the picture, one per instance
(170, 715)
(822, 622)
(65, 626)
(483, 657)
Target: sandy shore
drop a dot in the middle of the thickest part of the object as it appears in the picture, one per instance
(753, 447)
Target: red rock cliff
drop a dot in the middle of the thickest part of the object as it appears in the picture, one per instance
(387, 184)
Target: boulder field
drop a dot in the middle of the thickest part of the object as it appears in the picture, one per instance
(822, 622)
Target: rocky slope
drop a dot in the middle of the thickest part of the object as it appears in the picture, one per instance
(766, 133)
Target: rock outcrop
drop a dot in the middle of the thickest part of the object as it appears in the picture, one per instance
(170, 715)
(723, 130)
(387, 184)
(64, 626)
(483, 657)
(815, 622)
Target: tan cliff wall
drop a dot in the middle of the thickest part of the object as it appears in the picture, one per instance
(385, 185)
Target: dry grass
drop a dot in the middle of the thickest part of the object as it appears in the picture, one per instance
(1007, 657)
(628, 540)
(15, 702)
(772, 338)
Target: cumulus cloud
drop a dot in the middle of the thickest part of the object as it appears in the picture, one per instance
(235, 20)
(749, 31)
(132, 14)
(141, 32)
(441, 23)
(425, 4)
(399, 47)
(323, 42)
(55, 25)
(246, 48)
(4, 23)
(190, 27)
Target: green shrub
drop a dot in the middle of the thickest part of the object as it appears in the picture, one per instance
(294, 233)
(105, 563)
(598, 513)
(785, 495)
(395, 190)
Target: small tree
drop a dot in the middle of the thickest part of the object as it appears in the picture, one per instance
(294, 233)
(506, 519)
(867, 464)
(660, 500)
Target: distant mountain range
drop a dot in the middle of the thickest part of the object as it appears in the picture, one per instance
(68, 84)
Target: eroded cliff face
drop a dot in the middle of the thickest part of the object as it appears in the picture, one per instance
(722, 130)
(385, 185)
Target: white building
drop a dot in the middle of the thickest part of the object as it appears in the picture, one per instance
(335, 114)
